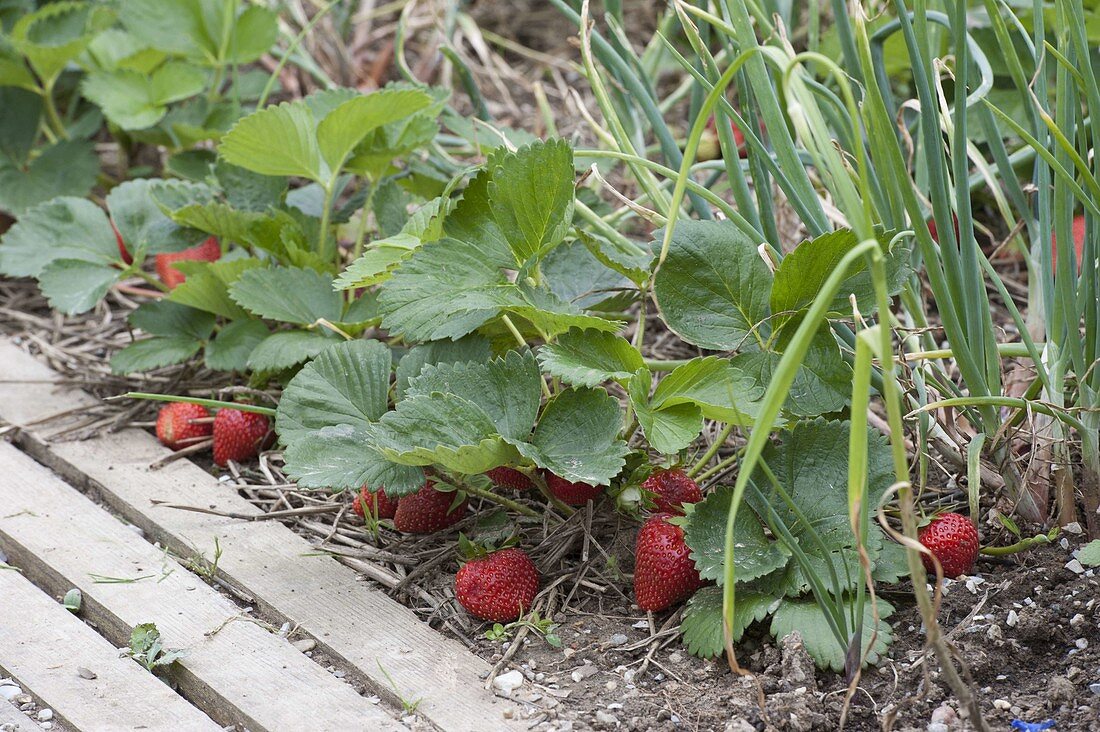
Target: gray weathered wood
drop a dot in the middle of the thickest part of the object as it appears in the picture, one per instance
(19, 722)
(42, 646)
(234, 670)
(349, 619)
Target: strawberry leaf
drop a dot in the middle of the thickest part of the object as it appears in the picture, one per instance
(755, 555)
(164, 318)
(720, 390)
(254, 33)
(287, 348)
(134, 100)
(577, 437)
(505, 389)
(634, 265)
(531, 197)
(377, 262)
(580, 279)
(811, 464)
(230, 350)
(20, 114)
(668, 429)
(248, 191)
(803, 272)
(337, 457)
(713, 287)
(74, 286)
(277, 140)
(153, 353)
(1089, 554)
(64, 228)
(288, 294)
(471, 349)
(806, 617)
(56, 34)
(207, 285)
(347, 383)
(66, 168)
(702, 624)
(349, 123)
(590, 357)
(822, 384)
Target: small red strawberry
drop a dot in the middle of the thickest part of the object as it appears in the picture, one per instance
(952, 538)
(175, 428)
(664, 573)
(575, 494)
(500, 586)
(428, 511)
(208, 251)
(122, 252)
(505, 477)
(381, 506)
(1078, 241)
(239, 435)
(671, 489)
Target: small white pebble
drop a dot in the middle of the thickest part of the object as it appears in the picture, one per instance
(1002, 704)
(44, 715)
(1013, 618)
(1076, 620)
(1081, 643)
(1075, 566)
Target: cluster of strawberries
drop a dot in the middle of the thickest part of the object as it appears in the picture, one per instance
(234, 434)
(501, 585)
(208, 251)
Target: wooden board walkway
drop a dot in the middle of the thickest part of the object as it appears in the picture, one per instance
(381, 643)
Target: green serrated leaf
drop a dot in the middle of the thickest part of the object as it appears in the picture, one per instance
(531, 195)
(277, 140)
(286, 349)
(66, 168)
(580, 279)
(811, 464)
(577, 437)
(755, 555)
(165, 318)
(338, 457)
(288, 294)
(634, 265)
(377, 262)
(442, 429)
(249, 191)
(714, 385)
(590, 357)
(806, 617)
(74, 286)
(230, 350)
(20, 114)
(702, 624)
(470, 349)
(64, 228)
(713, 287)
(254, 33)
(345, 126)
(823, 383)
(134, 100)
(153, 353)
(348, 383)
(505, 389)
(802, 273)
(56, 34)
(207, 285)
(669, 429)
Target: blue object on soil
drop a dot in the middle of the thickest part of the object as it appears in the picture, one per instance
(1032, 726)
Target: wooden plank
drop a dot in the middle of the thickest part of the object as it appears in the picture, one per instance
(42, 646)
(350, 620)
(234, 669)
(13, 719)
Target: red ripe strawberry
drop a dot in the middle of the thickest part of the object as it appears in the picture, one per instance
(175, 428)
(239, 435)
(664, 573)
(671, 489)
(208, 251)
(952, 538)
(1078, 241)
(509, 478)
(575, 494)
(427, 511)
(381, 506)
(499, 587)
(121, 247)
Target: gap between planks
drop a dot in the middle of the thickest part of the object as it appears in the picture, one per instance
(400, 656)
(42, 646)
(234, 669)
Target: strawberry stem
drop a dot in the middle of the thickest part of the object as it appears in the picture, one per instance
(506, 502)
(1022, 545)
(215, 403)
